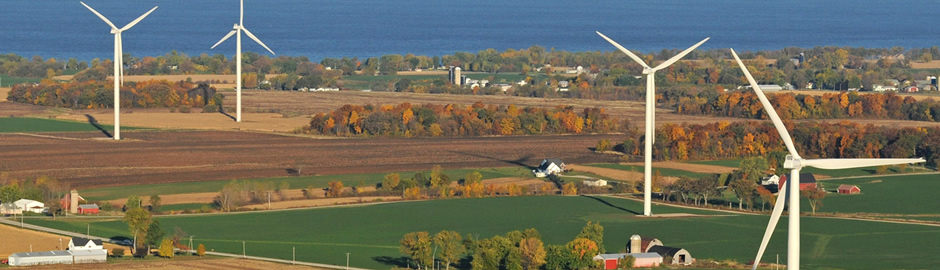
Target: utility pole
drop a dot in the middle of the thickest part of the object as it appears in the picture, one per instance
(191, 243)
(243, 249)
(294, 255)
(269, 200)
(88, 231)
(347, 260)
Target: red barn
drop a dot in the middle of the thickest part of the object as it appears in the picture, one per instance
(88, 209)
(849, 189)
(807, 181)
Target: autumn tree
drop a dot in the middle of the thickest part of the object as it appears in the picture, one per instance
(594, 232)
(438, 177)
(201, 250)
(766, 196)
(335, 189)
(138, 223)
(583, 251)
(391, 181)
(166, 249)
(533, 253)
(473, 177)
(450, 245)
(155, 203)
(815, 197)
(417, 246)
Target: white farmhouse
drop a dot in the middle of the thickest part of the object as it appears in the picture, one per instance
(549, 167)
(79, 243)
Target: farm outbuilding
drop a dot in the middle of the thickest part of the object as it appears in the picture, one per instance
(610, 260)
(648, 259)
(678, 255)
(849, 189)
(30, 205)
(89, 256)
(88, 209)
(641, 244)
(807, 181)
(40, 258)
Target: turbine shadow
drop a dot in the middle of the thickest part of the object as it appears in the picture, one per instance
(518, 162)
(94, 122)
(611, 205)
(222, 111)
(387, 260)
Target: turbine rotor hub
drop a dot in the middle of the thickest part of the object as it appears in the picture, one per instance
(647, 71)
(793, 163)
(235, 27)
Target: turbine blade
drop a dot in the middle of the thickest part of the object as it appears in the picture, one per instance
(256, 39)
(241, 12)
(847, 163)
(134, 22)
(99, 15)
(774, 218)
(624, 50)
(223, 39)
(784, 134)
(680, 55)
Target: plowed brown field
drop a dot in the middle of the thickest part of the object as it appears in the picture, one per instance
(188, 156)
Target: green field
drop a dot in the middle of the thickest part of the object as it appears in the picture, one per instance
(320, 181)
(7, 81)
(733, 163)
(663, 171)
(371, 233)
(50, 125)
(895, 194)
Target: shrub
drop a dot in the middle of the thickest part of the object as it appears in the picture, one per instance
(117, 252)
(166, 249)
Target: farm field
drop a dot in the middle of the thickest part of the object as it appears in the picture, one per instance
(153, 157)
(371, 233)
(32, 125)
(894, 196)
(664, 171)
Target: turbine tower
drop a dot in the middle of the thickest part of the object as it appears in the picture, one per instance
(650, 114)
(237, 29)
(118, 63)
(795, 163)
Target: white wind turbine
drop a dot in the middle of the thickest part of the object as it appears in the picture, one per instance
(795, 163)
(237, 29)
(650, 114)
(118, 63)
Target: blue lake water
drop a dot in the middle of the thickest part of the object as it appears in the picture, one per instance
(365, 28)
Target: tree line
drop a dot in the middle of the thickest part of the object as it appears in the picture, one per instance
(91, 94)
(800, 106)
(455, 120)
(722, 140)
(517, 250)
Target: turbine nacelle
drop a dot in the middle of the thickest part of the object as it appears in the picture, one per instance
(792, 163)
(647, 71)
(235, 27)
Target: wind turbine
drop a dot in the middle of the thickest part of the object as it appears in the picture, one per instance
(795, 163)
(118, 63)
(650, 114)
(237, 29)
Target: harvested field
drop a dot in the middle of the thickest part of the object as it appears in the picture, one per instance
(320, 202)
(190, 156)
(701, 168)
(19, 240)
(162, 118)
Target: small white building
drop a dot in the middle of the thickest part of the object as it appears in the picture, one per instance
(770, 180)
(40, 258)
(10, 209)
(549, 167)
(79, 243)
(595, 183)
(30, 205)
(89, 256)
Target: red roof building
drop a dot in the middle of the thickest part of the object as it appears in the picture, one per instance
(849, 189)
(807, 181)
(85, 209)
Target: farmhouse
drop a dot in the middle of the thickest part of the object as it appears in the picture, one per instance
(807, 181)
(79, 243)
(88, 209)
(549, 167)
(849, 189)
(30, 205)
(770, 180)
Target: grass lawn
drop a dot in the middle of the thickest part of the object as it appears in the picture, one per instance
(320, 181)
(49, 125)
(371, 233)
(663, 171)
(891, 194)
(734, 163)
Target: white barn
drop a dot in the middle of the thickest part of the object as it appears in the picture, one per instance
(89, 256)
(40, 258)
(30, 205)
(595, 183)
